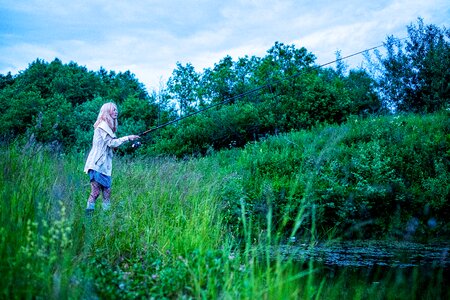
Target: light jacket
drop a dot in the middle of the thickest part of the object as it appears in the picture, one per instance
(101, 154)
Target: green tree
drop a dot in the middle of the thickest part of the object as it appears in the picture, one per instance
(362, 92)
(123, 85)
(54, 122)
(183, 86)
(414, 75)
(6, 80)
(85, 115)
(282, 64)
(57, 103)
(219, 82)
(285, 92)
(19, 108)
(75, 82)
(138, 115)
(245, 73)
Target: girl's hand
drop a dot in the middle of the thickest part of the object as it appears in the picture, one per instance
(133, 137)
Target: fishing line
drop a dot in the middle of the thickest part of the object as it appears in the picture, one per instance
(252, 91)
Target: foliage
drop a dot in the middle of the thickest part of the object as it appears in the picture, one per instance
(150, 274)
(296, 154)
(307, 99)
(57, 103)
(56, 110)
(184, 85)
(36, 226)
(44, 258)
(365, 178)
(284, 90)
(414, 75)
(210, 227)
(230, 126)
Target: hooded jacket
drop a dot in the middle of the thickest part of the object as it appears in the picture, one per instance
(101, 154)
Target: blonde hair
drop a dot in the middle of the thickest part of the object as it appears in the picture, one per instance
(105, 115)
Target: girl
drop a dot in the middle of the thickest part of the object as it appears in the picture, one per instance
(99, 162)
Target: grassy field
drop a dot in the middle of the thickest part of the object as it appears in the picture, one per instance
(187, 229)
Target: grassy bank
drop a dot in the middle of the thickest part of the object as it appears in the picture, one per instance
(203, 228)
(372, 178)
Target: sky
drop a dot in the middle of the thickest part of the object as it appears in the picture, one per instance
(148, 38)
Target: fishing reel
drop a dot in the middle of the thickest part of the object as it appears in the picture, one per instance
(136, 145)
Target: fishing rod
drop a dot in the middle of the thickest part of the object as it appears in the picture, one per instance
(232, 99)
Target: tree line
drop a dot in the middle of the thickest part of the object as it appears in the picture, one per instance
(56, 103)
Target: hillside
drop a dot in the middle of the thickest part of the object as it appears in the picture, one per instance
(375, 177)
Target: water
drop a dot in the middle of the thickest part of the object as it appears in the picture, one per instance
(374, 269)
(371, 253)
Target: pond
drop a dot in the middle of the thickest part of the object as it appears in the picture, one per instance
(371, 253)
(374, 269)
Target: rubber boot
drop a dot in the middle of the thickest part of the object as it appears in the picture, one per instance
(106, 205)
(90, 209)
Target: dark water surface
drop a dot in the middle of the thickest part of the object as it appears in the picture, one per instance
(371, 253)
(375, 269)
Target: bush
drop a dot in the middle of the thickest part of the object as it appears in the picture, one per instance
(365, 178)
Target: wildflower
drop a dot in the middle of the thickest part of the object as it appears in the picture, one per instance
(183, 259)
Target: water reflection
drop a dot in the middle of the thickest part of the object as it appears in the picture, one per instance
(373, 269)
(370, 253)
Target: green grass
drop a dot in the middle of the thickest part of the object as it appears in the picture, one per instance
(203, 228)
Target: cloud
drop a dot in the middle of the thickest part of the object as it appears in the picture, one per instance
(150, 37)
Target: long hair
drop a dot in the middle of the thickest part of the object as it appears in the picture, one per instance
(105, 115)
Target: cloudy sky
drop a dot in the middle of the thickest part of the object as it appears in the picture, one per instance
(149, 37)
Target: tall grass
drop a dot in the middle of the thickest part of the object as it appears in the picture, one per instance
(206, 228)
(163, 235)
